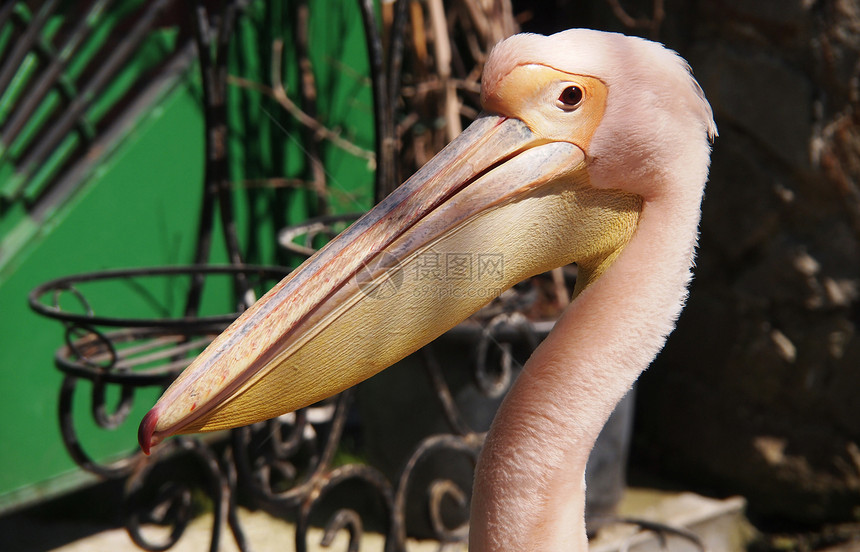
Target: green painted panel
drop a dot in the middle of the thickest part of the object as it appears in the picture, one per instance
(268, 145)
(140, 208)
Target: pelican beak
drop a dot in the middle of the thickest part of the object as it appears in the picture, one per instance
(498, 205)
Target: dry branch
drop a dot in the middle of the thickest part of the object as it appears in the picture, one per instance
(278, 93)
(653, 23)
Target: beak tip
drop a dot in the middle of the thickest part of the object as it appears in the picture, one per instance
(146, 430)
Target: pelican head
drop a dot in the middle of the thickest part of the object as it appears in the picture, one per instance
(580, 131)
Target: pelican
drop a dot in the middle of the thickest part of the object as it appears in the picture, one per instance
(591, 148)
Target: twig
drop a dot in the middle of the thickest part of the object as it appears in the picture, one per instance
(442, 49)
(419, 38)
(297, 183)
(653, 24)
(493, 21)
(280, 95)
(406, 124)
(469, 113)
(562, 295)
(308, 90)
(342, 67)
(276, 183)
(622, 14)
(443, 81)
(478, 17)
(432, 84)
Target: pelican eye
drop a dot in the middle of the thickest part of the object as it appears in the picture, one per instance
(571, 96)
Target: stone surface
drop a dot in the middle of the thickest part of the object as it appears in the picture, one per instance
(756, 392)
(720, 523)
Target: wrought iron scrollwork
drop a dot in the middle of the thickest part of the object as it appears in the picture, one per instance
(344, 517)
(438, 489)
(495, 383)
(290, 463)
(287, 462)
(159, 492)
(119, 356)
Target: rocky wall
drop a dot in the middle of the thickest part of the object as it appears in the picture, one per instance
(757, 390)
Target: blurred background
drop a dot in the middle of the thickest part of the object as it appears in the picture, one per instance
(170, 136)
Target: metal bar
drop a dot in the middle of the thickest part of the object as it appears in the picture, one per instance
(386, 139)
(446, 399)
(202, 40)
(395, 57)
(225, 190)
(119, 468)
(109, 138)
(84, 98)
(213, 67)
(6, 11)
(307, 102)
(52, 72)
(178, 345)
(185, 323)
(25, 43)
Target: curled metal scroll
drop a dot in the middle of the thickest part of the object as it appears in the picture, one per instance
(495, 383)
(280, 459)
(288, 463)
(116, 356)
(155, 495)
(469, 446)
(344, 518)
